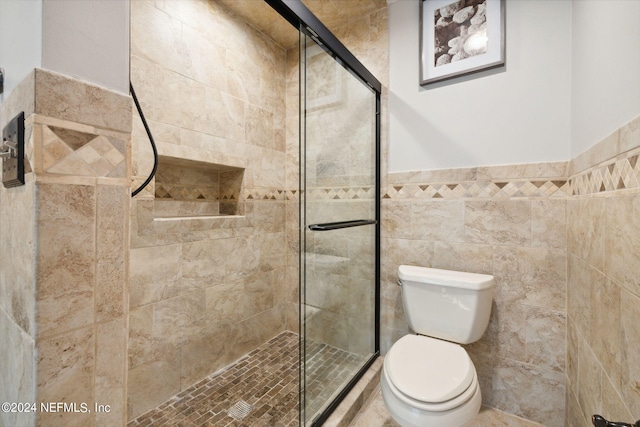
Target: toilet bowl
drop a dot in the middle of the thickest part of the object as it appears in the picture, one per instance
(428, 379)
(430, 382)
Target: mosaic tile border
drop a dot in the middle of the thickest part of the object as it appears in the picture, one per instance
(538, 188)
(178, 192)
(614, 175)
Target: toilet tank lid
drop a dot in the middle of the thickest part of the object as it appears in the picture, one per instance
(435, 276)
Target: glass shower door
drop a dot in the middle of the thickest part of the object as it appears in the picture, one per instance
(339, 211)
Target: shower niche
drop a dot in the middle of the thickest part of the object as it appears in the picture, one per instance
(187, 188)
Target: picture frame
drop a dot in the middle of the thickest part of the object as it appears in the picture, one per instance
(460, 37)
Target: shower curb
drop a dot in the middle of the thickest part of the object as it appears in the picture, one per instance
(357, 398)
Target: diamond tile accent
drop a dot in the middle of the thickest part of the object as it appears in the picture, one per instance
(614, 175)
(75, 153)
(478, 189)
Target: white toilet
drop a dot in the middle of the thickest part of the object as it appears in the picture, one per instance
(428, 379)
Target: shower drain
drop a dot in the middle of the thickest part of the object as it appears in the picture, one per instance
(240, 410)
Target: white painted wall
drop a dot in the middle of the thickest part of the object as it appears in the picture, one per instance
(20, 40)
(88, 40)
(605, 69)
(518, 114)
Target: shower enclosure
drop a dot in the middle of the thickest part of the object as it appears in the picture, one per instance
(254, 252)
(339, 211)
(339, 226)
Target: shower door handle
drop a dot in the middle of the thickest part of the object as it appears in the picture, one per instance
(327, 226)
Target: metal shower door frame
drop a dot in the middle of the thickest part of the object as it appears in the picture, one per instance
(296, 13)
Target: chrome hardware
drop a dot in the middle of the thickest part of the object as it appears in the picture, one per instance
(8, 149)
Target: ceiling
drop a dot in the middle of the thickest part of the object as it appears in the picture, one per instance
(332, 13)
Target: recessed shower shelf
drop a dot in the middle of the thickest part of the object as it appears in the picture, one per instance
(191, 189)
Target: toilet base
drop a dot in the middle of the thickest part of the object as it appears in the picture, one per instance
(408, 416)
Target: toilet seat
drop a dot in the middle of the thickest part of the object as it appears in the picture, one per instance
(430, 374)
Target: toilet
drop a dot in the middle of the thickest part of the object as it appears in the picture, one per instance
(428, 378)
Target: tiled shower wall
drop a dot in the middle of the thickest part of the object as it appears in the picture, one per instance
(18, 271)
(65, 339)
(508, 222)
(603, 307)
(205, 290)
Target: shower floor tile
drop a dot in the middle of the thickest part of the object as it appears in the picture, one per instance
(266, 379)
(260, 389)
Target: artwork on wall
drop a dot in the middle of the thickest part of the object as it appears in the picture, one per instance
(459, 37)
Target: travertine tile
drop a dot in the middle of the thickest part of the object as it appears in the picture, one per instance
(527, 170)
(111, 266)
(572, 355)
(469, 257)
(110, 366)
(155, 274)
(17, 372)
(622, 241)
(573, 414)
(548, 223)
(70, 381)
(404, 251)
(589, 391)
(146, 389)
(177, 320)
(66, 256)
(534, 276)
(204, 354)
(69, 99)
(444, 175)
(581, 277)
(18, 246)
(438, 221)
(545, 336)
(630, 314)
(141, 347)
(630, 135)
(531, 392)
(585, 223)
(605, 323)
(498, 222)
(614, 407)
(506, 333)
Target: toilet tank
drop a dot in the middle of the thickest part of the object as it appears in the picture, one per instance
(450, 305)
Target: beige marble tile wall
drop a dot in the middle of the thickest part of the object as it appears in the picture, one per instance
(70, 289)
(206, 290)
(17, 274)
(603, 239)
(506, 221)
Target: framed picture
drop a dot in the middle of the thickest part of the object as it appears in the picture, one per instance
(459, 37)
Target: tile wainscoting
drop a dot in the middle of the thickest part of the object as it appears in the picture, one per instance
(562, 241)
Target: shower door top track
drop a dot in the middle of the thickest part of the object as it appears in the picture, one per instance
(297, 13)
